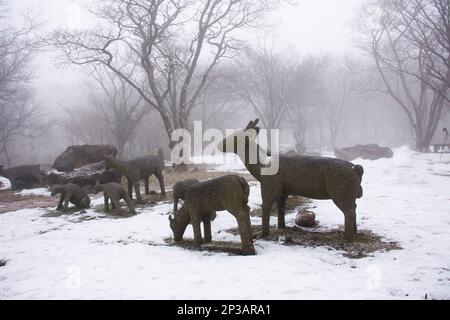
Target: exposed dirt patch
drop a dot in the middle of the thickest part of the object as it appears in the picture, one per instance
(292, 203)
(231, 248)
(365, 243)
(10, 201)
(2, 263)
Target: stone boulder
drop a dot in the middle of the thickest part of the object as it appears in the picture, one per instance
(305, 218)
(87, 175)
(78, 156)
(366, 152)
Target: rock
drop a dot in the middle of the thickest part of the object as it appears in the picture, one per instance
(366, 152)
(305, 218)
(78, 156)
(87, 175)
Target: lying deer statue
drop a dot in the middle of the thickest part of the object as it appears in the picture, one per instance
(137, 170)
(70, 193)
(310, 177)
(22, 172)
(229, 193)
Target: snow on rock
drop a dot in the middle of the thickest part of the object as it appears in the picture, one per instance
(4, 183)
(406, 199)
(36, 192)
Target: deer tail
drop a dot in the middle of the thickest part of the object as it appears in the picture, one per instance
(245, 187)
(359, 170)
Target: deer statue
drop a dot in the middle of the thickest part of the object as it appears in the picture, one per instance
(311, 177)
(203, 199)
(137, 170)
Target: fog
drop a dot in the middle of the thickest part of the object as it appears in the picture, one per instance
(328, 92)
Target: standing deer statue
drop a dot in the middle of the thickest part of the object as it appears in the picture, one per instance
(139, 169)
(311, 177)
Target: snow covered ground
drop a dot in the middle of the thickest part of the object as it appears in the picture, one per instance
(406, 199)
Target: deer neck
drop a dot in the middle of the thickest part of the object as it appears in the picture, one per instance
(254, 167)
(184, 220)
(118, 165)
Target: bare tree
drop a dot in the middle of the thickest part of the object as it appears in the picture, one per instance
(261, 80)
(429, 30)
(120, 107)
(306, 90)
(175, 43)
(18, 112)
(404, 38)
(112, 112)
(342, 86)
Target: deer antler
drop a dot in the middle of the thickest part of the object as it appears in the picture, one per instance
(252, 124)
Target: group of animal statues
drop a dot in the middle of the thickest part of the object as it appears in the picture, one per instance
(311, 177)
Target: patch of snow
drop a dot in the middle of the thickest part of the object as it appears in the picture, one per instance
(406, 199)
(36, 192)
(5, 183)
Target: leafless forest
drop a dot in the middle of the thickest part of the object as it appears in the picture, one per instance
(136, 70)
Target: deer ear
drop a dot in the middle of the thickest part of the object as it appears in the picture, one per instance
(249, 126)
(255, 122)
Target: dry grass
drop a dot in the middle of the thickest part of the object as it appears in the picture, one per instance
(10, 201)
(292, 203)
(232, 248)
(365, 242)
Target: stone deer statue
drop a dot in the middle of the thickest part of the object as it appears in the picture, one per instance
(203, 199)
(311, 177)
(139, 169)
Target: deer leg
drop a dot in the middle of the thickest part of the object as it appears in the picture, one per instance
(207, 229)
(197, 231)
(130, 188)
(60, 203)
(106, 201)
(129, 204)
(66, 202)
(243, 220)
(147, 187)
(348, 208)
(269, 197)
(137, 188)
(266, 210)
(116, 203)
(160, 178)
(281, 206)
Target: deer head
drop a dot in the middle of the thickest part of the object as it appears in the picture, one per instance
(247, 135)
(98, 187)
(178, 223)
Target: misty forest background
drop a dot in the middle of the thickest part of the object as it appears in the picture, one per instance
(147, 67)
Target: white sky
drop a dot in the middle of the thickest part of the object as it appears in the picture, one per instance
(313, 26)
